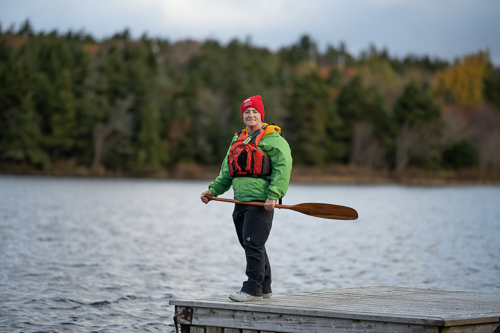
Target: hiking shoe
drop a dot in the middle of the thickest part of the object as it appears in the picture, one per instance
(241, 296)
(267, 296)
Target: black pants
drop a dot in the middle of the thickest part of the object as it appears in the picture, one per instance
(253, 225)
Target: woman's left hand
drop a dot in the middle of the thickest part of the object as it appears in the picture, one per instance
(269, 204)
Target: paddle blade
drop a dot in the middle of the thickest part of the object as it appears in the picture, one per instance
(326, 211)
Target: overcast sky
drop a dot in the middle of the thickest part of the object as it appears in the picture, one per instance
(444, 28)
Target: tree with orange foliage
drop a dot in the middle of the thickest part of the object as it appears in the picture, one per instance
(463, 84)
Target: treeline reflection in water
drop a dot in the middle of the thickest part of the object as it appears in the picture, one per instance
(106, 255)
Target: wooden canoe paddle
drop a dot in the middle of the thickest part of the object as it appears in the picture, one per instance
(326, 211)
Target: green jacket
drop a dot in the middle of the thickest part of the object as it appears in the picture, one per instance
(250, 189)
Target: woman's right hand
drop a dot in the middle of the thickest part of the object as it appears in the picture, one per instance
(204, 198)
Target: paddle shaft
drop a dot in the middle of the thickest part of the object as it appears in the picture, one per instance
(251, 203)
(326, 211)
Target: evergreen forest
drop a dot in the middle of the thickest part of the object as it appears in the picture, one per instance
(148, 106)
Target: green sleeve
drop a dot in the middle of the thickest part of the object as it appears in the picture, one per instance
(223, 182)
(280, 155)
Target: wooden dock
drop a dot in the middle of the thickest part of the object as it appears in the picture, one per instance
(370, 309)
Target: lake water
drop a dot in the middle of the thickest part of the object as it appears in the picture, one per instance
(107, 255)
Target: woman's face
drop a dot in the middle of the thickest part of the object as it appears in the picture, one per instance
(252, 118)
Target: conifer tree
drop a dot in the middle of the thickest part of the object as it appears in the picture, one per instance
(151, 152)
(62, 121)
(26, 31)
(492, 85)
(114, 73)
(6, 98)
(366, 125)
(415, 107)
(308, 114)
(182, 117)
(21, 139)
(419, 126)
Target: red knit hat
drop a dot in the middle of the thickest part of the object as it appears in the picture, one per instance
(253, 102)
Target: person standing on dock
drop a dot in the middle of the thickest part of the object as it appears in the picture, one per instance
(258, 166)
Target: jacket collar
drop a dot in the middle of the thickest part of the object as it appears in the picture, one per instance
(269, 129)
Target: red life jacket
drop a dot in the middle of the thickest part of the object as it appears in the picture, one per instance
(245, 160)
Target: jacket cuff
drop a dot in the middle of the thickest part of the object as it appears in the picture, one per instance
(214, 192)
(272, 194)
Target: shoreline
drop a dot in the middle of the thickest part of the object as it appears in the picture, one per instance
(331, 174)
